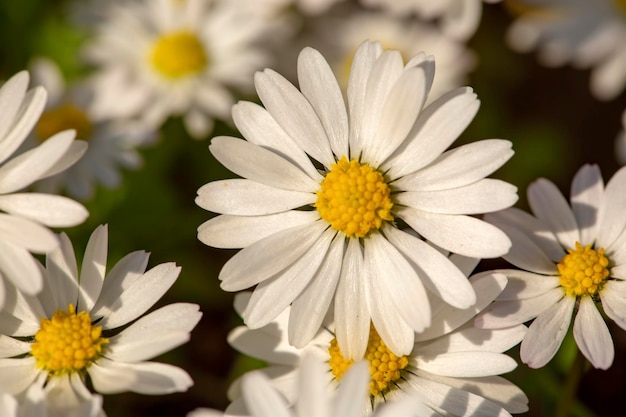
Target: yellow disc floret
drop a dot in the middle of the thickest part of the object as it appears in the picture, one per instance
(67, 342)
(178, 54)
(354, 198)
(385, 367)
(63, 117)
(583, 270)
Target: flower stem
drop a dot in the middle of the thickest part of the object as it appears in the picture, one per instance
(570, 388)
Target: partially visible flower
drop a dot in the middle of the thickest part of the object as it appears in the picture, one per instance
(33, 404)
(312, 237)
(158, 58)
(573, 260)
(453, 367)
(620, 142)
(587, 34)
(459, 19)
(26, 216)
(112, 144)
(338, 37)
(87, 308)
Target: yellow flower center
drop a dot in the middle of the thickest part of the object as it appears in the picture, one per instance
(583, 271)
(67, 342)
(354, 198)
(384, 366)
(178, 54)
(63, 117)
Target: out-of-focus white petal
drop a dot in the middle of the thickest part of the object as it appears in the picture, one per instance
(592, 336)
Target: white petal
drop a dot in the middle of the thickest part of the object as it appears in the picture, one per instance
(312, 390)
(472, 339)
(549, 205)
(486, 285)
(17, 374)
(613, 297)
(524, 285)
(140, 295)
(258, 126)
(393, 274)
(508, 313)
(483, 196)
(294, 114)
(267, 344)
(436, 271)
(438, 125)
(154, 334)
(49, 210)
(313, 72)
(592, 336)
(467, 364)
(275, 294)
(352, 310)
(26, 233)
(20, 268)
(12, 347)
(230, 232)
(261, 398)
(260, 165)
(249, 198)
(144, 378)
(611, 218)
(310, 307)
(30, 166)
(12, 94)
(402, 105)
(76, 151)
(351, 391)
(459, 166)
(585, 197)
(460, 234)
(250, 265)
(546, 333)
(93, 268)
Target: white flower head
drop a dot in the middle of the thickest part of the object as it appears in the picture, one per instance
(158, 58)
(87, 308)
(313, 236)
(459, 19)
(112, 144)
(26, 216)
(572, 257)
(338, 36)
(587, 34)
(453, 367)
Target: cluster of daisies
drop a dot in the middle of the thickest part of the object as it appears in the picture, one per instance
(359, 224)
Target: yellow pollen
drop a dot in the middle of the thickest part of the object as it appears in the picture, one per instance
(178, 54)
(583, 271)
(67, 342)
(354, 198)
(63, 117)
(385, 367)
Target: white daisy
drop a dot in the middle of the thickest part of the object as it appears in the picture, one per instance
(337, 37)
(573, 257)
(383, 162)
(26, 216)
(452, 366)
(588, 34)
(88, 308)
(620, 142)
(163, 57)
(111, 144)
(459, 19)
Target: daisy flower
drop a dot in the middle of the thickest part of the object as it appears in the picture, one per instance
(459, 19)
(453, 367)
(572, 259)
(588, 34)
(620, 142)
(111, 144)
(158, 58)
(324, 188)
(339, 36)
(26, 216)
(88, 308)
